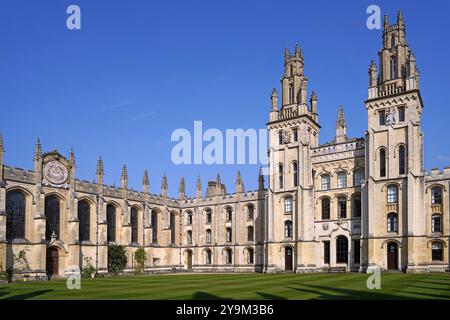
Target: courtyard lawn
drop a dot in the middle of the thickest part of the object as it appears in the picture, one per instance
(238, 286)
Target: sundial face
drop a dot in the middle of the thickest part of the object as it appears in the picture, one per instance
(55, 173)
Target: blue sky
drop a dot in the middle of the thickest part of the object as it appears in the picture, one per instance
(137, 70)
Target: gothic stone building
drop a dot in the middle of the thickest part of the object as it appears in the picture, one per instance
(340, 206)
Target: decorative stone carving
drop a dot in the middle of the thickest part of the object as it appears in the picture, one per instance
(55, 174)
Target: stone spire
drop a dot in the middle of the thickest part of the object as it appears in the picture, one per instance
(38, 151)
(372, 74)
(400, 21)
(239, 184)
(274, 99)
(261, 179)
(182, 190)
(198, 188)
(313, 104)
(72, 157)
(145, 182)
(2, 147)
(341, 126)
(164, 186)
(100, 171)
(218, 182)
(124, 177)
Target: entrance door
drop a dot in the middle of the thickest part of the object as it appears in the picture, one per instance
(189, 260)
(392, 256)
(288, 259)
(52, 262)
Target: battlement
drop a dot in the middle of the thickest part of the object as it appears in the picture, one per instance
(436, 174)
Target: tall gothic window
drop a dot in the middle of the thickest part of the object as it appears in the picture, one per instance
(229, 256)
(134, 225)
(402, 159)
(436, 195)
(288, 205)
(250, 212)
(250, 234)
(208, 216)
(84, 217)
(357, 206)
(228, 235)
(52, 217)
(250, 256)
(392, 194)
(208, 256)
(189, 237)
(325, 182)
(154, 226)
(189, 218)
(393, 67)
(325, 209)
(341, 249)
(342, 208)
(280, 175)
(229, 214)
(280, 137)
(111, 221)
(288, 229)
(172, 228)
(382, 117)
(436, 223)
(357, 177)
(295, 134)
(401, 114)
(15, 215)
(392, 222)
(342, 180)
(436, 251)
(208, 236)
(382, 161)
(295, 173)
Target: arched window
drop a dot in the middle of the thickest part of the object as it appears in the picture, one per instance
(436, 223)
(436, 251)
(325, 182)
(295, 134)
(134, 225)
(288, 205)
(208, 216)
(392, 222)
(393, 67)
(341, 249)
(250, 210)
(208, 235)
(392, 194)
(250, 234)
(357, 177)
(280, 175)
(189, 218)
(280, 137)
(229, 214)
(291, 93)
(392, 41)
(295, 173)
(84, 217)
(382, 163)
(436, 195)
(229, 256)
(288, 229)
(154, 226)
(342, 207)
(208, 257)
(51, 217)
(229, 235)
(342, 180)
(189, 237)
(111, 221)
(325, 209)
(357, 206)
(15, 215)
(250, 256)
(402, 159)
(172, 228)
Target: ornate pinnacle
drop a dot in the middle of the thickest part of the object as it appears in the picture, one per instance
(218, 179)
(340, 122)
(145, 180)
(261, 179)
(313, 96)
(124, 173)
(72, 157)
(164, 182)
(238, 177)
(182, 185)
(38, 150)
(100, 170)
(2, 147)
(199, 184)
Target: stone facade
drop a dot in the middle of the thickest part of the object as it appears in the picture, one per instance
(340, 206)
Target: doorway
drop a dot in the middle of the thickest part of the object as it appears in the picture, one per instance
(392, 256)
(288, 259)
(52, 265)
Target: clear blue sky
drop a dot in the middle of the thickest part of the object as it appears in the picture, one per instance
(140, 69)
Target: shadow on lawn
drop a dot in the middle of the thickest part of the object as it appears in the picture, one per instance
(27, 295)
(201, 295)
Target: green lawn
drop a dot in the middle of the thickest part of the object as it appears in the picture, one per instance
(239, 286)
